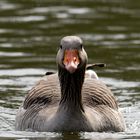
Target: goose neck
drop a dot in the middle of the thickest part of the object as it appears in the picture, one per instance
(71, 86)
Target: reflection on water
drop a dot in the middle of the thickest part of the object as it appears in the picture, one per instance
(29, 37)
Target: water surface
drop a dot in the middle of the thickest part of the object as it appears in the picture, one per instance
(30, 32)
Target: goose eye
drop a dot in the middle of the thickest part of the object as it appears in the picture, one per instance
(60, 46)
(81, 46)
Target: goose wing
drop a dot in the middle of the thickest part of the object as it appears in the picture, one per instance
(95, 93)
(46, 92)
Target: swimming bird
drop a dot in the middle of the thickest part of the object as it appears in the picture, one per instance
(73, 99)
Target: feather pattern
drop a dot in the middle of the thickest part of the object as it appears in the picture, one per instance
(72, 99)
(46, 94)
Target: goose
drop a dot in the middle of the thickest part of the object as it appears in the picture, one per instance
(72, 100)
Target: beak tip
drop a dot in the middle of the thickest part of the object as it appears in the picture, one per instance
(71, 68)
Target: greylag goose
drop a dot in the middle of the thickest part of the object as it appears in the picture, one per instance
(74, 99)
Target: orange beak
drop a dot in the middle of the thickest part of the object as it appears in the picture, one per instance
(71, 60)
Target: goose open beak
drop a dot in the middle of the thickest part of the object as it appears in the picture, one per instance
(71, 60)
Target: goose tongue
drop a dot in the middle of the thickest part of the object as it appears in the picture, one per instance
(71, 60)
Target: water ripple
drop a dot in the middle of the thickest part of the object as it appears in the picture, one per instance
(7, 6)
(12, 54)
(22, 19)
(22, 72)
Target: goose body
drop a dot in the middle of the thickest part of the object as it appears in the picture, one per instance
(74, 99)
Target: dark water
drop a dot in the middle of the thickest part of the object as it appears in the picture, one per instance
(30, 31)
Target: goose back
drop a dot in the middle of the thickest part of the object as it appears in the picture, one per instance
(42, 102)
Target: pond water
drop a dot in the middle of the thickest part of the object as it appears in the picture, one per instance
(30, 31)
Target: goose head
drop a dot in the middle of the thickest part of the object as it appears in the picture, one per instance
(71, 54)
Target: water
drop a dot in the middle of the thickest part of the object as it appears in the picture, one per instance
(29, 37)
